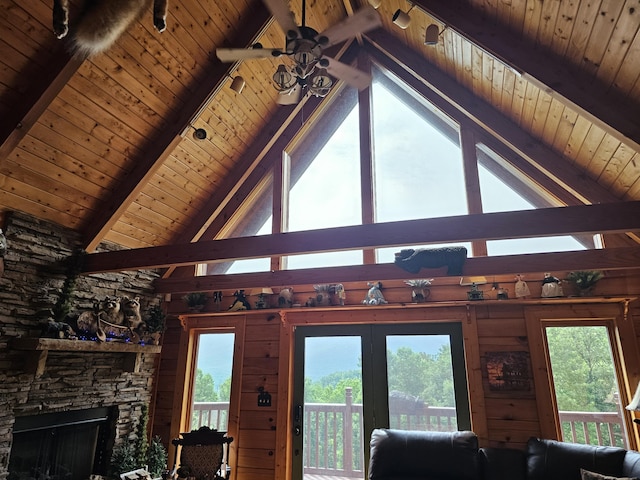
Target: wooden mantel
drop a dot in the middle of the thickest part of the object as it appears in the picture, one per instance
(35, 363)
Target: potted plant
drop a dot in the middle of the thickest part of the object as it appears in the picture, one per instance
(156, 457)
(195, 301)
(584, 280)
(419, 290)
(155, 323)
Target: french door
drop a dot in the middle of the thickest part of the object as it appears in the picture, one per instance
(350, 379)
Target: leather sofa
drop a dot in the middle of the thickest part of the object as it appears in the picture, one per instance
(408, 455)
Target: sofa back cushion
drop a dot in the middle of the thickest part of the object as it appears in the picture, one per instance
(500, 463)
(553, 460)
(409, 455)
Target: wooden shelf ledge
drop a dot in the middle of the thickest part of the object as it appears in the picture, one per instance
(36, 363)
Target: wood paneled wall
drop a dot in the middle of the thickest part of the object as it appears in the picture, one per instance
(264, 359)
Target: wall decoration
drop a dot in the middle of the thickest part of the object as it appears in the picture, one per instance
(508, 371)
(551, 286)
(521, 288)
(374, 295)
(413, 260)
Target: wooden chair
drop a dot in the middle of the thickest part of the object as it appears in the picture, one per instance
(202, 454)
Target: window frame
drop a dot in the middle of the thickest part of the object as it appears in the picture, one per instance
(194, 327)
(622, 339)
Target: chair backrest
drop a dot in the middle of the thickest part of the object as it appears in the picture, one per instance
(203, 453)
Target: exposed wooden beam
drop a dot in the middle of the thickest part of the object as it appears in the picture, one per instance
(367, 196)
(458, 102)
(543, 69)
(51, 81)
(160, 147)
(607, 259)
(616, 217)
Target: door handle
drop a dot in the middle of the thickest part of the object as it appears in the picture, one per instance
(297, 419)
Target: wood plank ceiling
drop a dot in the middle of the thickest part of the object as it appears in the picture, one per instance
(105, 145)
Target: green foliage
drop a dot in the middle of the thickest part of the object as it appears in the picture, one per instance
(155, 319)
(204, 388)
(584, 279)
(195, 299)
(224, 391)
(131, 455)
(141, 443)
(583, 372)
(123, 459)
(427, 377)
(331, 389)
(156, 457)
(74, 266)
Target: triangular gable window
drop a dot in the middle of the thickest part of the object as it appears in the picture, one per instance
(418, 173)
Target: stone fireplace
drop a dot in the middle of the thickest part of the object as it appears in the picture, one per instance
(79, 390)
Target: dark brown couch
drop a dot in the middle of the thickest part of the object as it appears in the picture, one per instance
(406, 455)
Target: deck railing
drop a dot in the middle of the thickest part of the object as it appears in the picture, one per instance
(334, 445)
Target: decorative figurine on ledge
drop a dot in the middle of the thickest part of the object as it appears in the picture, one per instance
(413, 260)
(285, 297)
(374, 295)
(521, 288)
(551, 287)
(475, 293)
(240, 303)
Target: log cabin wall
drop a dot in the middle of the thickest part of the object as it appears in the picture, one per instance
(260, 449)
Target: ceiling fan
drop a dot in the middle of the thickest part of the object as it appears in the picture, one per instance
(305, 46)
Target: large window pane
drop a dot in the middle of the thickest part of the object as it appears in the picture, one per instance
(420, 383)
(212, 381)
(326, 193)
(417, 161)
(586, 386)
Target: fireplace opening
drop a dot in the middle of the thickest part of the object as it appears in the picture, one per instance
(62, 446)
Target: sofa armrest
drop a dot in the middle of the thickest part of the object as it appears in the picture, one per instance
(503, 464)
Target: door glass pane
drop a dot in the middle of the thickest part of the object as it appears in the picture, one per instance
(420, 382)
(212, 381)
(586, 386)
(332, 424)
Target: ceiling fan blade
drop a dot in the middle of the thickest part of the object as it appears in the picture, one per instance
(363, 20)
(280, 11)
(235, 54)
(348, 74)
(291, 97)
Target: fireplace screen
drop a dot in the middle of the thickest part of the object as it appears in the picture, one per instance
(61, 446)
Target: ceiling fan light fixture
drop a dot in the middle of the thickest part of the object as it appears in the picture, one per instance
(238, 84)
(283, 79)
(320, 83)
(401, 19)
(375, 3)
(307, 52)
